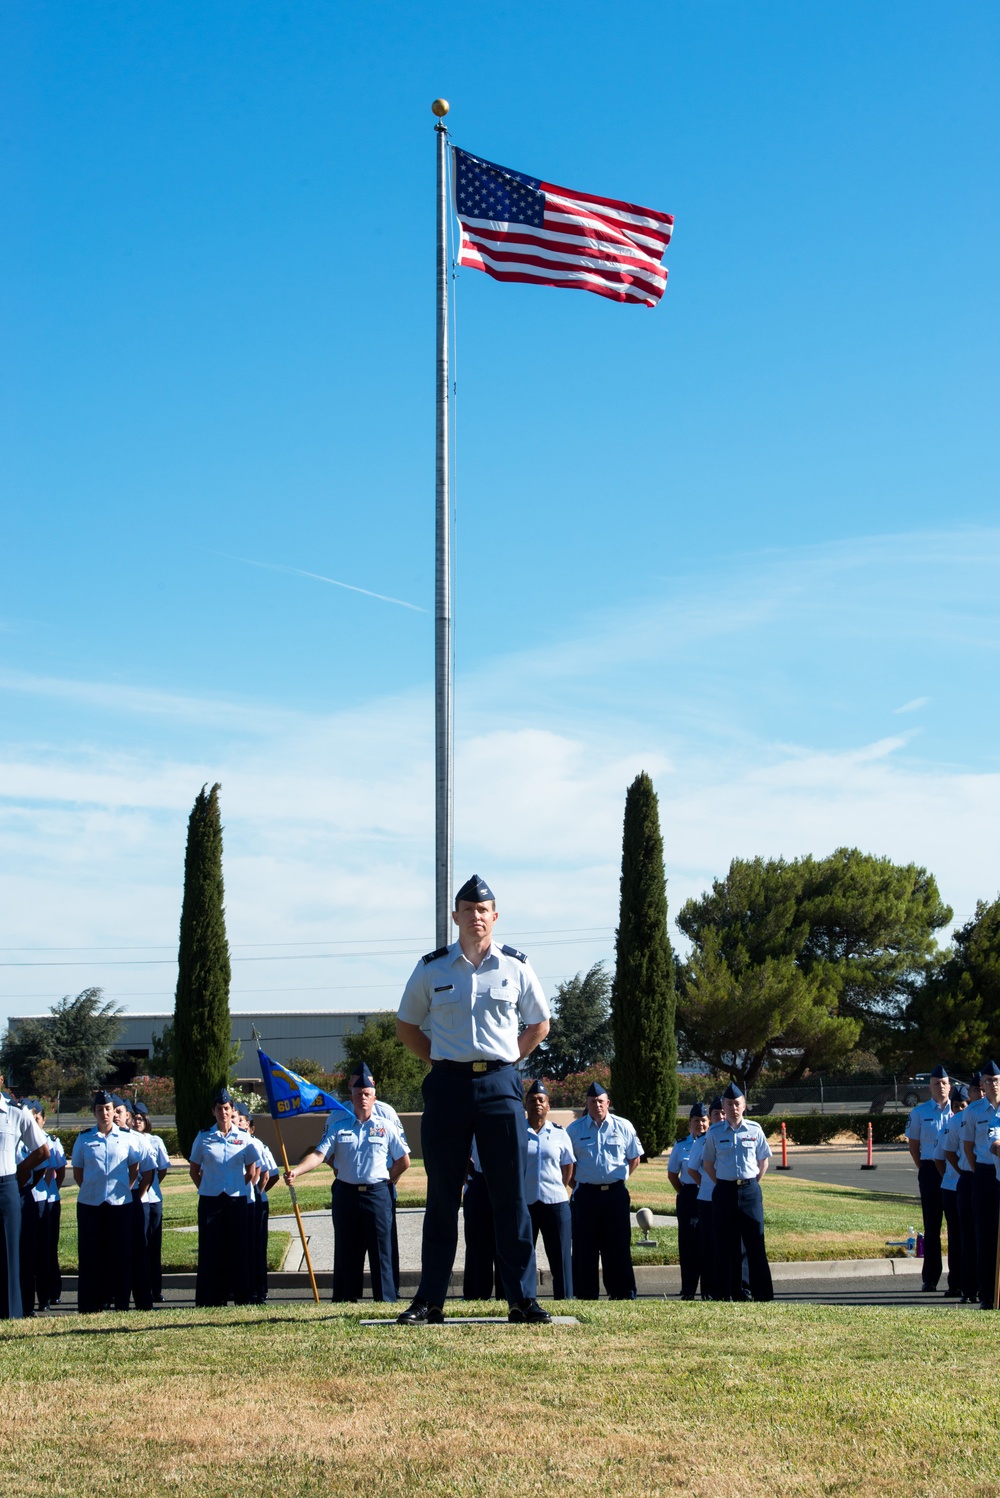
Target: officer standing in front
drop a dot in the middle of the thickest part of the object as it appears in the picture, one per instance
(985, 1133)
(736, 1155)
(107, 1161)
(686, 1186)
(385, 1110)
(924, 1128)
(474, 995)
(368, 1156)
(549, 1172)
(17, 1127)
(222, 1162)
(606, 1151)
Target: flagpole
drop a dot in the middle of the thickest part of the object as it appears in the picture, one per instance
(291, 1189)
(443, 683)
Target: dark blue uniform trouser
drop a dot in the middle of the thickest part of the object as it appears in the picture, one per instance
(261, 1211)
(460, 1106)
(481, 1277)
(142, 1292)
(554, 1221)
(929, 1182)
(965, 1192)
(155, 1245)
(362, 1224)
(10, 1229)
(223, 1251)
(949, 1206)
(738, 1214)
(104, 1236)
(987, 1202)
(31, 1232)
(602, 1230)
(689, 1239)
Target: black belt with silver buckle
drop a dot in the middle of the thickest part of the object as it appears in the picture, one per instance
(473, 1068)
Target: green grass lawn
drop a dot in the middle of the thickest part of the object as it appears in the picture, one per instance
(656, 1397)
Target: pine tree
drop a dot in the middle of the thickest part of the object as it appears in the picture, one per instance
(644, 1067)
(201, 1010)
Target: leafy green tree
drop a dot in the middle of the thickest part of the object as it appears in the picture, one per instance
(955, 1017)
(78, 1039)
(161, 1056)
(202, 1029)
(397, 1072)
(644, 1066)
(580, 1033)
(22, 1051)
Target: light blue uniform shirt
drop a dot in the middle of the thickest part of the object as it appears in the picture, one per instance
(602, 1153)
(926, 1123)
(736, 1153)
(679, 1157)
(17, 1126)
(159, 1160)
(967, 1123)
(56, 1161)
(473, 1013)
(951, 1139)
(223, 1159)
(548, 1151)
(362, 1152)
(104, 1160)
(696, 1161)
(987, 1129)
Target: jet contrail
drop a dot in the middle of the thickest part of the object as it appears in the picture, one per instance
(319, 578)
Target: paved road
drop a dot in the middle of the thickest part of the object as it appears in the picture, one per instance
(842, 1167)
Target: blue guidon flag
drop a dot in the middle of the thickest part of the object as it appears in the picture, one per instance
(518, 228)
(288, 1094)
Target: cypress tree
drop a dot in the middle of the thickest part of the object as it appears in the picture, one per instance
(644, 1067)
(201, 1010)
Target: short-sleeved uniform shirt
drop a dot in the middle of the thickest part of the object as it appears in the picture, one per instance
(56, 1161)
(696, 1161)
(950, 1139)
(105, 1160)
(602, 1151)
(361, 1152)
(967, 1124)
(159, 1160)
(736, 1153)
(473, 1013)
(986, 1129)
(679, 1157)
(17, 1126)
(223, 1159)
(926, 1123)
(548, 1151)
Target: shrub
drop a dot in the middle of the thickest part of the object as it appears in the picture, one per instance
(571, 1092)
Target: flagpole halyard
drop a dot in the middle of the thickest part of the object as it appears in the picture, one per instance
(443, 675)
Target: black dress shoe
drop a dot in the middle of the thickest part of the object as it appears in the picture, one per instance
(929, 1289)
(421, 1314)
(952, 1294)
(529, 1310)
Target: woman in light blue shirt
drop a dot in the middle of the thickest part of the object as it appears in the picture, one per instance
(222, 1161)
(106, 1161)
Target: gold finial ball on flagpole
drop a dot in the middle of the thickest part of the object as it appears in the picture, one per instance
(440, 107)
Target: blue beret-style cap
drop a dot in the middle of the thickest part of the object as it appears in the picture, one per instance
(361, 1076)
(474, 889)
(119, 1102)
(715, 1106)
(597, 1089)
(940, 1073)
(140, 1108)
(977, 1077)
(698, 1110)
(733, 1091)
(991, 1069)
(222, 1096)
(959, 1094)
(537, 1089)
(101, 1097)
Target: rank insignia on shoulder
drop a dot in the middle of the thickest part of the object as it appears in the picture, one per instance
(433, 956)
(513, 952)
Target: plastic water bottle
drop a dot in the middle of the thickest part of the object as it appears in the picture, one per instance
(911, 1242)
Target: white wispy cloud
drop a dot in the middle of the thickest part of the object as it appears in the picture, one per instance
(913, 705)
(319, 578)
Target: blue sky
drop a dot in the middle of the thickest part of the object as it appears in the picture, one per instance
(748, 540)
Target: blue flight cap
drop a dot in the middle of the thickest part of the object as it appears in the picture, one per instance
(36, 1105)
(977, 1078)
(698, 1110)
(474, 889)
(361, 1076)
(597, 1089)
(959, 1094)
(537, 1089)
(733, 1091)
(140, 1108)
(991, 1069)
(715, 1106)
(939, 1074)
(222, 1096)
(101, 1097)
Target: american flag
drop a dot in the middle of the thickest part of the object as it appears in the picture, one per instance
(518, 228)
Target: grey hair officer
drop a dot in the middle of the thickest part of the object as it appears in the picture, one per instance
(736, 1155)
(924, 1129)
(606, 1151)
(474, 997)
